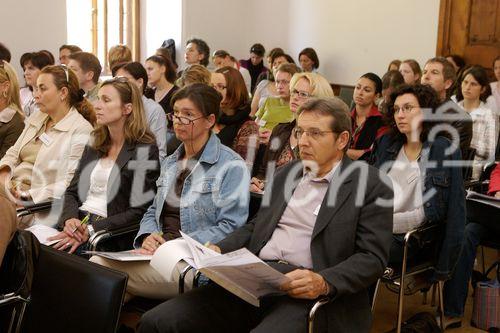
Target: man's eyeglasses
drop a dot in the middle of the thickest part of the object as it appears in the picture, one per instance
(405, 108)
(282, 82)
(313, 133)
(182, 120)
(300, 94)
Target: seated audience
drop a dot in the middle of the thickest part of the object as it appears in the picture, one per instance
(8, 223)
(201, 191)
(410, 69)
(390, 81)
(194, 74)
(308, 59)
(155, 116)
(283, 146)
(161, 77)
(32, 63)
(367, 121)
(118, 54)
(197, 52)
(87, 68)
(416, 164)
(456, 289)
(105, 185)
(440, 75)
(266, 87)
(41, 164)
(319, 244)
(495, 86)
(233, 126)
(276, 110)
(222, 59)
(11, 114)
(472, 95)
(65, 51)
(4, 53)
(255, 64)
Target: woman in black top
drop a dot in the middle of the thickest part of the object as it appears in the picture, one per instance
(161, 77)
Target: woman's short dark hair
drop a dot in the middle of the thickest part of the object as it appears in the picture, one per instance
(205, 98)
(170, 73)
(4, 53)
(375, 79)
(427, 99)
(202, 48)
(458, 60)
(481, 76)
(137, 70)
(37, 59)
(311, 54)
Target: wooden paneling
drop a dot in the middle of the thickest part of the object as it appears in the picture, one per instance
(471, 29)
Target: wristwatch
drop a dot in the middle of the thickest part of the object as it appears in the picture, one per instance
(91, 230)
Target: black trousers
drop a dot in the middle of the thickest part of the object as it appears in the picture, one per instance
(213, 309)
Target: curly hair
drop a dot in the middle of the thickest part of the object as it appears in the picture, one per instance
(427, 98)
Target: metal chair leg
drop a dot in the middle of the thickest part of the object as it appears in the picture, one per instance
(20, 319)
(441, 303)
(375, 294)
(402, 284)
(312, 314)
(182, 278)
(433, 295)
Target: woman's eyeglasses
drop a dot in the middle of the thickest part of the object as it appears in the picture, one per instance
(181, 119)
(299, 94)
(404, 109)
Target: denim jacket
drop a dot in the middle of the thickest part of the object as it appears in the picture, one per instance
(447, 204)
(215, 197)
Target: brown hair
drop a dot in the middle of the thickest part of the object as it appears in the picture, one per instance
(166, 61)
(288, 68)
(236, 90)
(395, 62)
(7, 73)
(448, 69)
(71, 48)
(88, 63)
(119, 53)
(415, 67)
(311, 54)
(195, 74)
(136, 129)
(75, 94)
(205, 98)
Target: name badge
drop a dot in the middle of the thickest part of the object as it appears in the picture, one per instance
(262, 123)
(316, 211)
(47, 140)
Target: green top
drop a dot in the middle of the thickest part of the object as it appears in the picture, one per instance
(273, 112)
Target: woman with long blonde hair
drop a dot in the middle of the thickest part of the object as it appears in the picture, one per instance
(11, 116)
(116, 179)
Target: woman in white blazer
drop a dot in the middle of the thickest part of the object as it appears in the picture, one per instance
(41, 164)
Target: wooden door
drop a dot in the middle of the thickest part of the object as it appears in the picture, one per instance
(471, 29)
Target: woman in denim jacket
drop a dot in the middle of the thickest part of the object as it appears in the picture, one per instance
(421, 162)
(203, 190)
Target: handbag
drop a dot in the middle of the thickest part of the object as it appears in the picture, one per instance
(486, 306)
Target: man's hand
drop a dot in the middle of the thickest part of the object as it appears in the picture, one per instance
(256, 185)
(151, 243)
(305, 284)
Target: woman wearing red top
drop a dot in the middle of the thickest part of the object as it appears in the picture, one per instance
(367, 122)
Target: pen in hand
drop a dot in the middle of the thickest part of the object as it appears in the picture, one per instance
(84, 221)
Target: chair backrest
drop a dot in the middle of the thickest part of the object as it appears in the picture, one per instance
(345, 94)
(71, 294)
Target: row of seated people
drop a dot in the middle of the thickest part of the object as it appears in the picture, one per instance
(108, 148)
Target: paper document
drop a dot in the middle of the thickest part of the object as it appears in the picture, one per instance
(43, 232)
(168, 255)
(130, 255)
(240, 272)
(484, 199)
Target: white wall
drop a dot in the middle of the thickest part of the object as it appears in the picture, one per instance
(31, 26)
(234, 25)
(354, 37)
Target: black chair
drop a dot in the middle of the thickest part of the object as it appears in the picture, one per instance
(71, 294)
(428, 238)
(16, 276)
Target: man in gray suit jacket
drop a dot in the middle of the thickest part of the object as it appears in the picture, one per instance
(325, 221)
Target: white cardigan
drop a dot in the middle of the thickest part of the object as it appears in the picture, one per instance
(56, 161)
